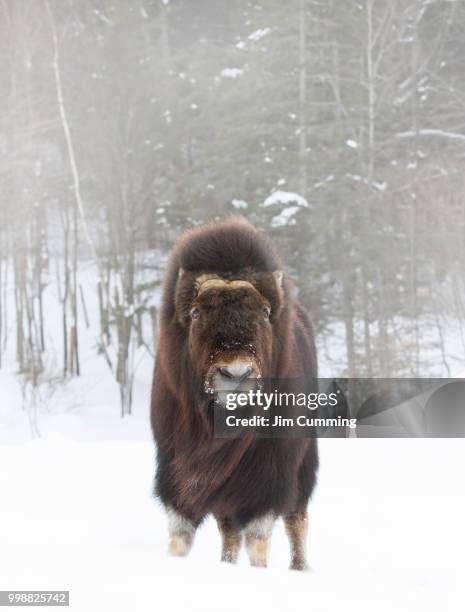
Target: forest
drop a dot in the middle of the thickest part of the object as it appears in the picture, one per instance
(337, 127)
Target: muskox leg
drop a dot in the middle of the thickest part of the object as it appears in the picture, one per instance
(231, 539)
(181, 531)
(296, 524)
(257, 536)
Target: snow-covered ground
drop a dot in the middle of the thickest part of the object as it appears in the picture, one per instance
(77, 513)
(386, 532)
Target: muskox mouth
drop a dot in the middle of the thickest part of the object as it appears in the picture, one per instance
(234, 368)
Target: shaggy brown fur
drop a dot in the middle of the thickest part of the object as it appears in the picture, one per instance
(207, 321)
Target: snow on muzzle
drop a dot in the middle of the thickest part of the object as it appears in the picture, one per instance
(236, 373)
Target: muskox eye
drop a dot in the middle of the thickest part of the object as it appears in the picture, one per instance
(266, 312)
(195, 313)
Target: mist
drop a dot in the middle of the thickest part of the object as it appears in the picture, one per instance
(337, 127)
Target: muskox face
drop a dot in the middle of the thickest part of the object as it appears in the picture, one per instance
(229, 323)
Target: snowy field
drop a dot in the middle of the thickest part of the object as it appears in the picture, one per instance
(386, 532)
(77, 513)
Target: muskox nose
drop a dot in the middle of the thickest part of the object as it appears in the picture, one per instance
(236, 371)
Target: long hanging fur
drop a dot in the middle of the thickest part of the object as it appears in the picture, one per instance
(197, 473)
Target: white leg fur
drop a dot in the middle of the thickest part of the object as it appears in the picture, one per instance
(257, 535)
(181, 532)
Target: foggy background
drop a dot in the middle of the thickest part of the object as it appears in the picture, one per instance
(338, 127)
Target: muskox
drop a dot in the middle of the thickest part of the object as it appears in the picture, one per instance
(228, 314)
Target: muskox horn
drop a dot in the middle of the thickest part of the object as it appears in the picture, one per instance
(212, 283)
(209, 281)
(206, 281)
(235, 284)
